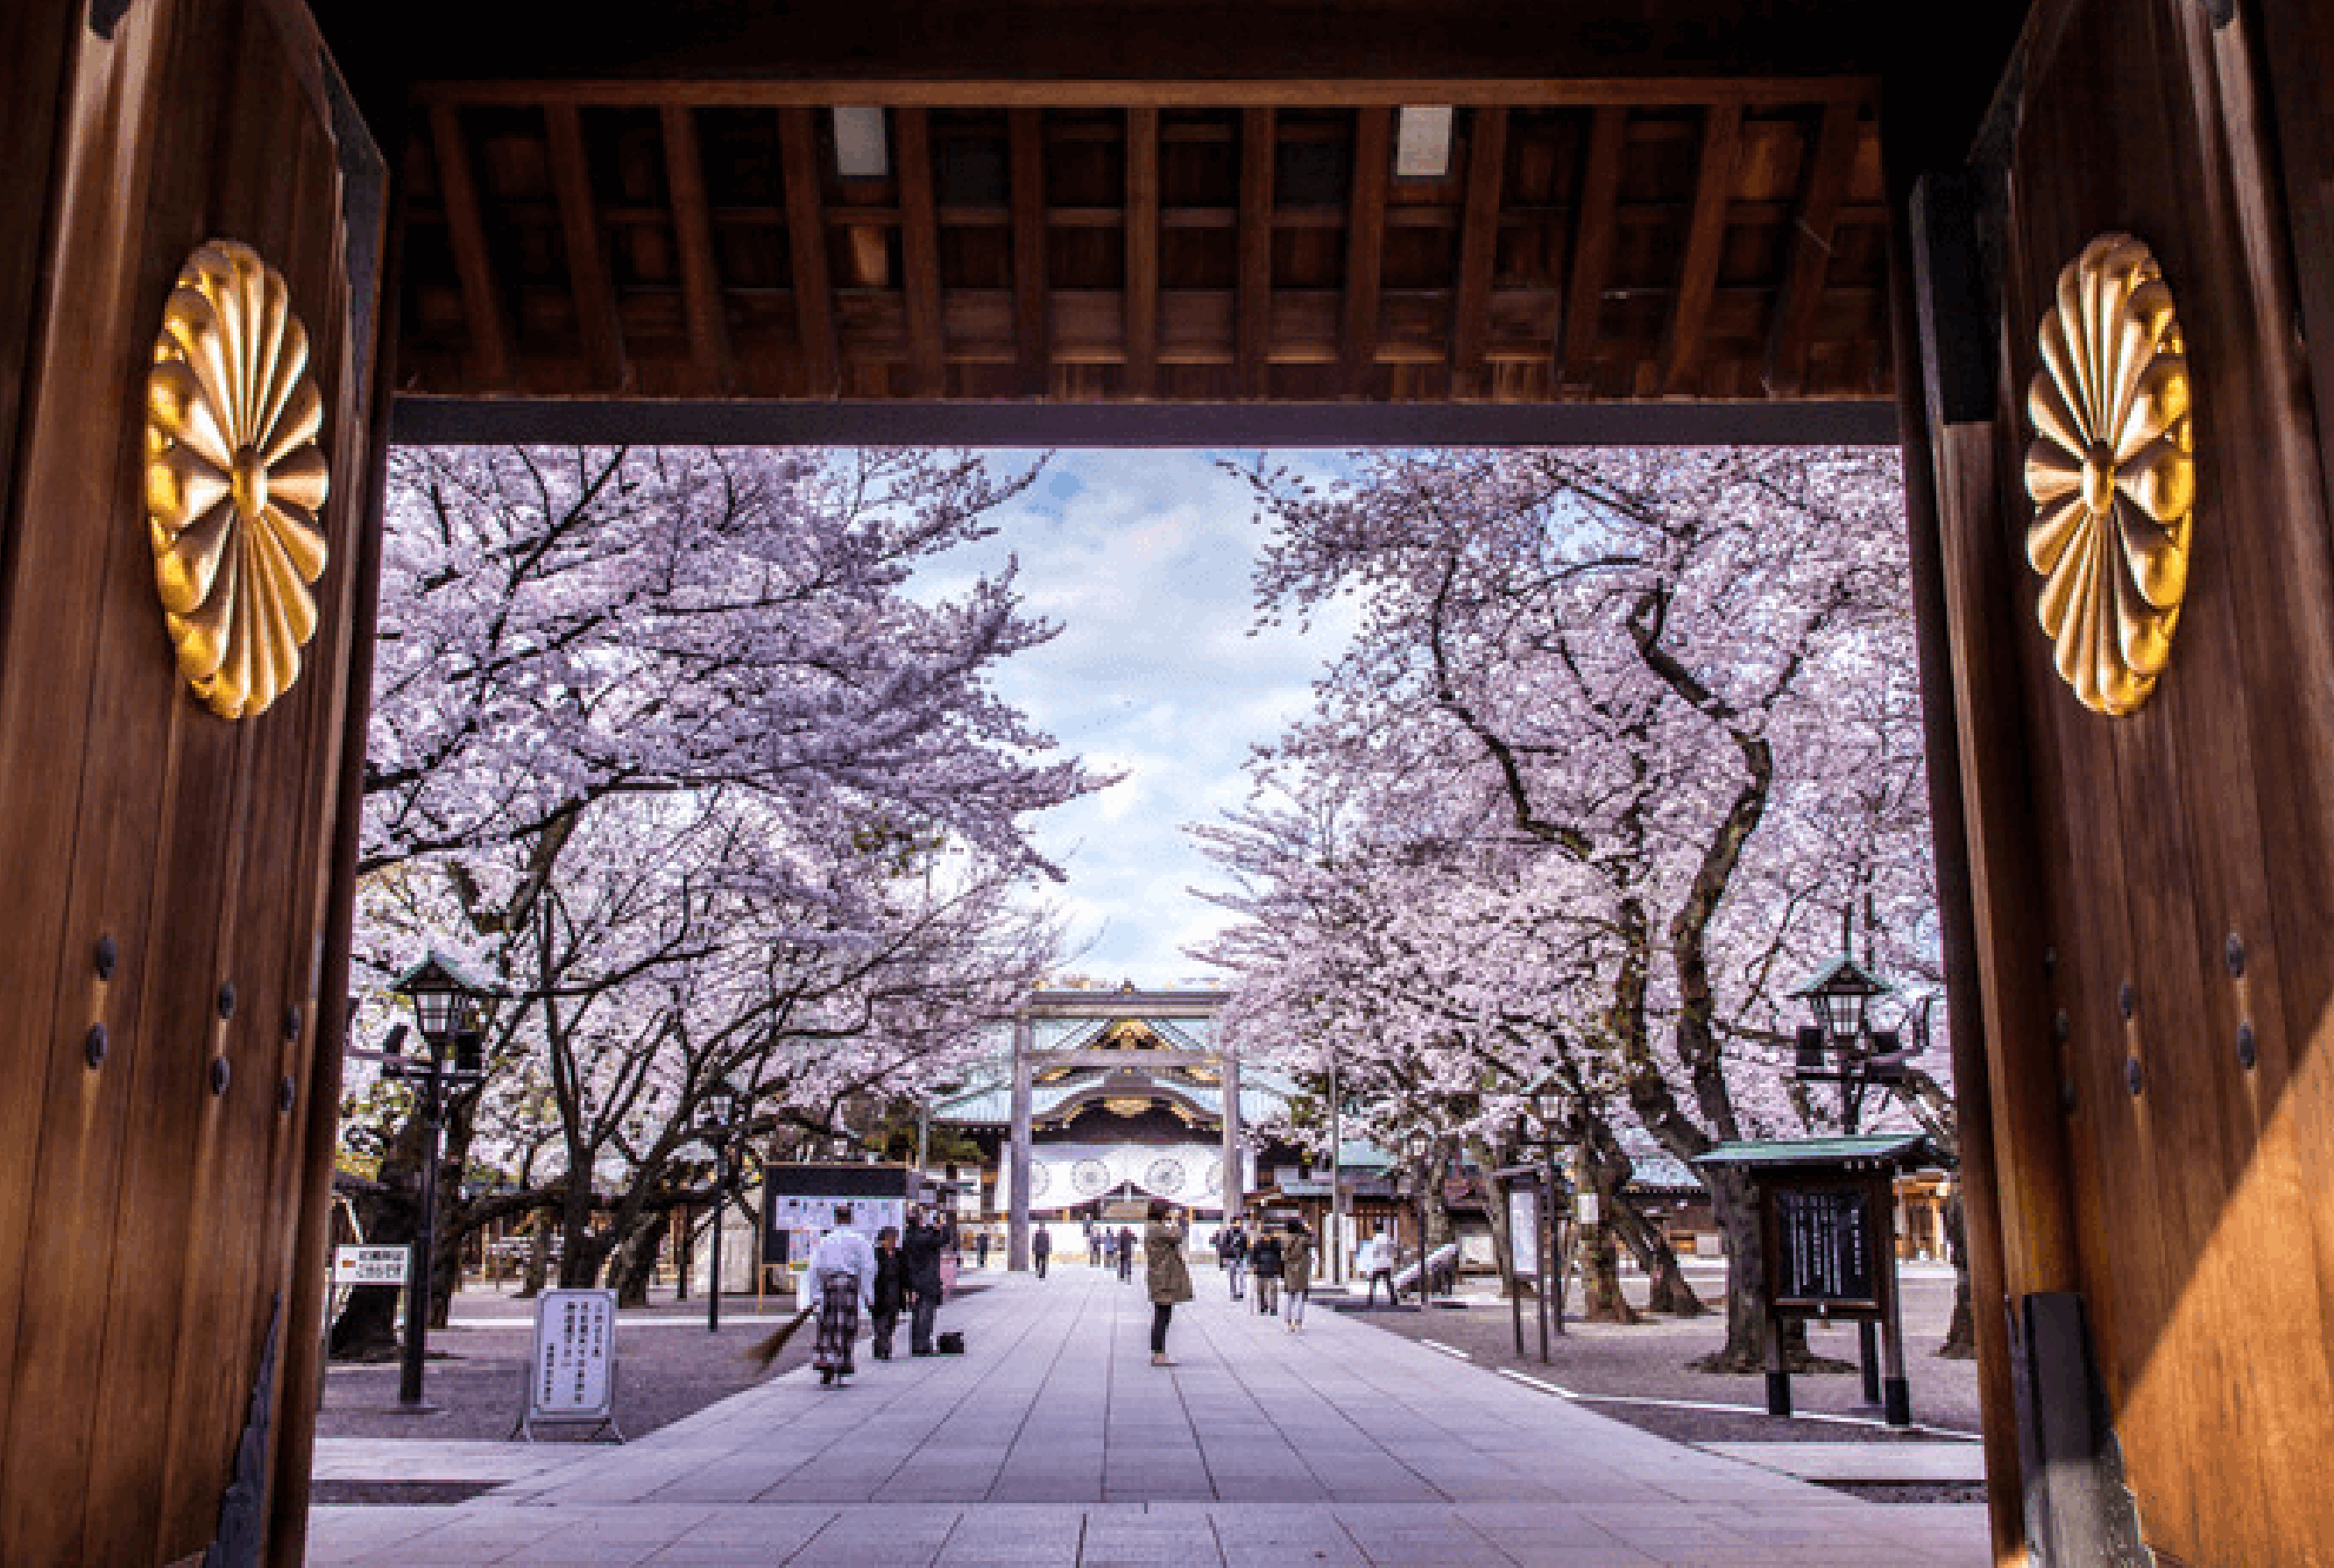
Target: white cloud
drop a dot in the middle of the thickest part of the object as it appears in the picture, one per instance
(1143, 557)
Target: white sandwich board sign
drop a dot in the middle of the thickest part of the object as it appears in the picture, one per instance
(572, 1375)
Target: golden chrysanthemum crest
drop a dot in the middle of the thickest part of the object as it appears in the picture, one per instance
(235, 480)
(2112, 472)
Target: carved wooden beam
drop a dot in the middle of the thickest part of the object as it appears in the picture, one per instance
(1592, 246)
(1365, 247)
(1479, 244)
(1705, 246)
(1253, 329)
(919, 253)
(596, 323)
(692, 231)
(1210, 91)
(1032, 323)
(1141, 252)
(1824, 189)
(482, 305)
(806, 244)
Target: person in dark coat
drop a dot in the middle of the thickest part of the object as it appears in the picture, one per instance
(1264, 1263)
(1041, 1247)
(1297, 1276)
(921, 1256)
(890, 1289)
(1166, 1272)
(1125, 1254)
(1231, 1247)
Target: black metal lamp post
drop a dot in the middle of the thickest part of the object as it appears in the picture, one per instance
(1842, 1047)
(447, 1003)
(1418, 1145)
(718, 1121)
(1551, 1109)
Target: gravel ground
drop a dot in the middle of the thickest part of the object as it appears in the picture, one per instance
(1624, 1372)
(668, 1367)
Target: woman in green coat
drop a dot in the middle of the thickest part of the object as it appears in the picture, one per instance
(1169, 1276)
(1295, 1277)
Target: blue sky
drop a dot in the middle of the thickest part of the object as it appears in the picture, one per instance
(1144, 558)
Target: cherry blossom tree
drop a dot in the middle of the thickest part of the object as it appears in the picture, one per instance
(664, 741)
(1647, 708)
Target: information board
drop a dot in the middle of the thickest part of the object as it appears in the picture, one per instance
(1824, 1251)
(1523, 1230)
(369, 1265)
(572, 1375)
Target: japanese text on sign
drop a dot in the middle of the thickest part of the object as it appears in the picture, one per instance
(574, 1336)
(1523, 1230)
(369, 1265)
(1824, 1246)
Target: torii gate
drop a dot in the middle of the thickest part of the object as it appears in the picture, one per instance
(1109, 1006)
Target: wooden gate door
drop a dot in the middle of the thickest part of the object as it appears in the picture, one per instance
(165, 977)
(2155, 888)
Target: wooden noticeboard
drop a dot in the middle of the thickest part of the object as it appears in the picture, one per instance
(571, 1377)
(1826, 1242)
(1523, 1231)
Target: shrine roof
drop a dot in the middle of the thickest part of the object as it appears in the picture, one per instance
(1896, 1150)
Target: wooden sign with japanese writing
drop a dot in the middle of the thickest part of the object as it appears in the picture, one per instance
(1825, 1252)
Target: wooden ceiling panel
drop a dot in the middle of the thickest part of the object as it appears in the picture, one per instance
(1716, 240)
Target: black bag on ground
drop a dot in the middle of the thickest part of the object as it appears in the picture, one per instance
(951, 1342)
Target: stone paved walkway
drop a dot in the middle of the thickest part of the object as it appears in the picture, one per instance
(1055, 1444)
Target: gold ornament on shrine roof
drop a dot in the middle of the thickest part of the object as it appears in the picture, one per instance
(2112, 472)
(233, 478)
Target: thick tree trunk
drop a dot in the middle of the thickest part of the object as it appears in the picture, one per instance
(539, 1227)
(632, 1265)
(390, 1215)
(1600, 1277)
(1666, 1288)
(445, 1270)
(1736, 1209)
(1961, 1332)
(581, 1249)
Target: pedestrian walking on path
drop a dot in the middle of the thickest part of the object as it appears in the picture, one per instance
(1264, 1262)
(1295, 1276)
(842, 1281)
(1041, 1247)
(1231, 1246)
(920, 1255)
(1375, 1262)
(1125, 1254)
(980, 1249)
(1170, 1277)
(891, 1292)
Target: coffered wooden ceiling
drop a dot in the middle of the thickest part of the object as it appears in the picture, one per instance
(1132, 220)
(1106, 241)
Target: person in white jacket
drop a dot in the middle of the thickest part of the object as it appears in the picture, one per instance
(842, 1284)
(1375, 1262)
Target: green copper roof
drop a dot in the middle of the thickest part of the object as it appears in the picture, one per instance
(1843, 976)
(1899, 1148)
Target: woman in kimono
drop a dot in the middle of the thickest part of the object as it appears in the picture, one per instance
(841, 1281)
